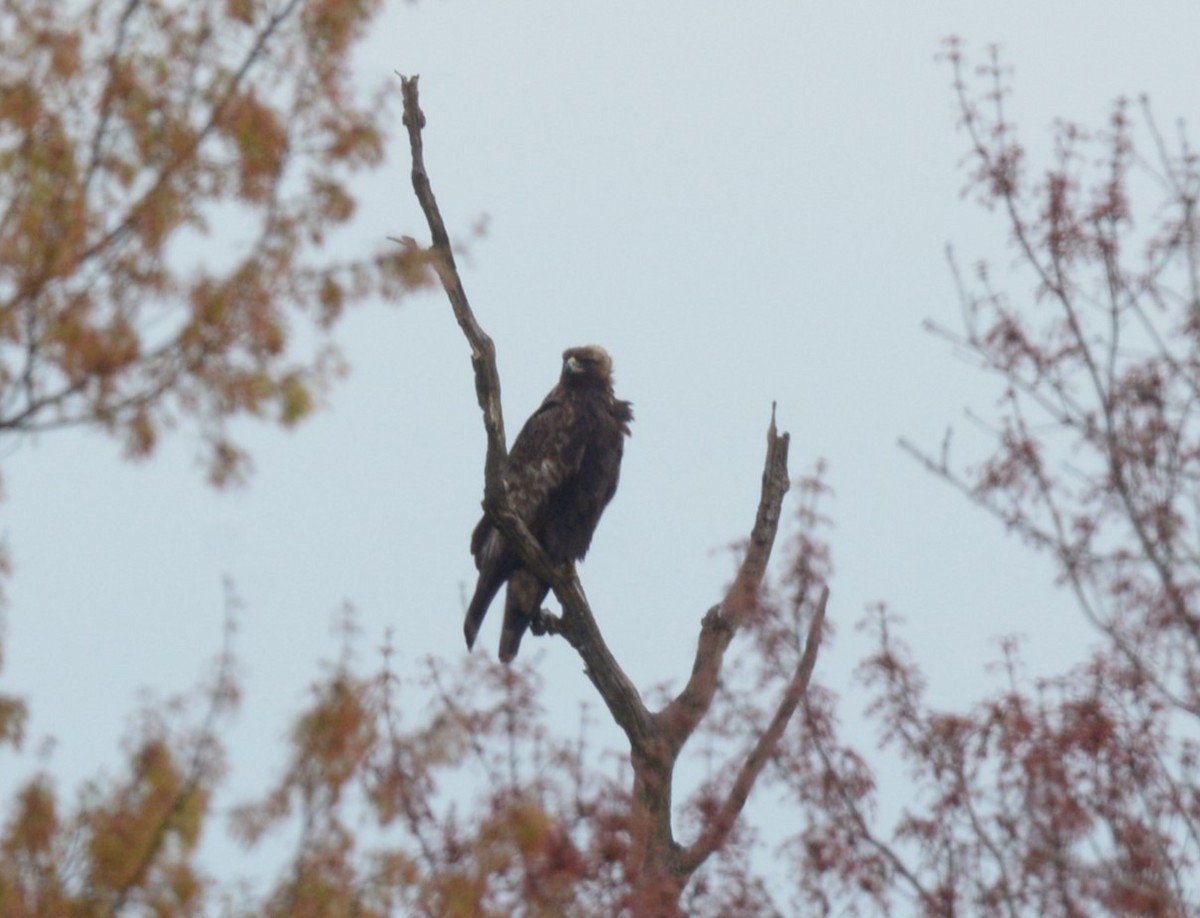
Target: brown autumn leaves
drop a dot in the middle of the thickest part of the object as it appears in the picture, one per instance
(170, 175)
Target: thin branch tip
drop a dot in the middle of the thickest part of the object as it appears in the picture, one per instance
(412, 109)
(819, 612)
(715, 620)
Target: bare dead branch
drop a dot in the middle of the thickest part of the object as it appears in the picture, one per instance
(483, 351)
(577, 624)
(651, 825)
(680, 717)
(718, 827)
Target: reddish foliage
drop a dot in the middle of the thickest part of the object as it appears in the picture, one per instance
(1077, 795)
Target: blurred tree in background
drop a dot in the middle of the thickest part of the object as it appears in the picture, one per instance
(1078, 794)
(169, 173)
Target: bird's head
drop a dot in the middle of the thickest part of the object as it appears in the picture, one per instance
(589, 365)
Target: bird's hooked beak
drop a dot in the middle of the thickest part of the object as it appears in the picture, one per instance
(574, 366)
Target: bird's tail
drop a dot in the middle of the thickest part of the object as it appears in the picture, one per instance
(485, 592)
(516, 623)
(524, 600)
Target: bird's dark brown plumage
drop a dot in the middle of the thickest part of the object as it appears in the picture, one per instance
(560, 474)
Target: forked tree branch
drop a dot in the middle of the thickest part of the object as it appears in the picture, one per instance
(655, 740)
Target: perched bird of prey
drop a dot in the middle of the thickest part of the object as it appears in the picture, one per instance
(560, 475)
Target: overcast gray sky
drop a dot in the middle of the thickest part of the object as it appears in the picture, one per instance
(744, 203)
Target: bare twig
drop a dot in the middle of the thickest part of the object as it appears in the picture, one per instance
(680, 717)
(719, 825)
(483, 351)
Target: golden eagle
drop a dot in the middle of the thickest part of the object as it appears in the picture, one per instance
(560, 475)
